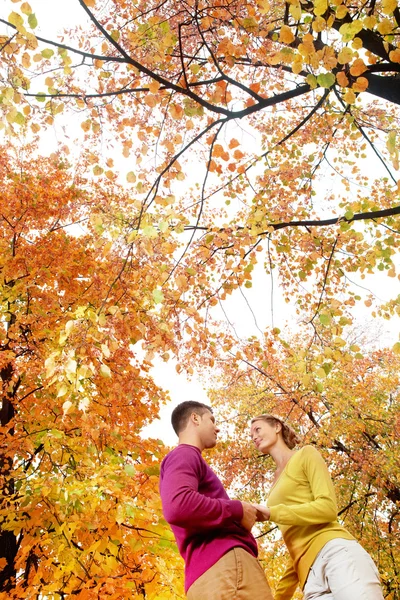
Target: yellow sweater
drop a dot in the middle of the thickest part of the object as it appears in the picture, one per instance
(302, 503)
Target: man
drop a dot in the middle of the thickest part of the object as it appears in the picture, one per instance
(212, 531)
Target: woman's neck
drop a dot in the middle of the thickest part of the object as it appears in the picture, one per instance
(280, 454)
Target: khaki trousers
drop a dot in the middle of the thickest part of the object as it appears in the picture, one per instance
(236, 576)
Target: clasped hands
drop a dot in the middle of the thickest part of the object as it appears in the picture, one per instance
(253, 513)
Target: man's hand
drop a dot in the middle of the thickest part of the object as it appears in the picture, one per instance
(262, 512)
(249, 516)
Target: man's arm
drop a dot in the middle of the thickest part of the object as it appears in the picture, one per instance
(184, 506)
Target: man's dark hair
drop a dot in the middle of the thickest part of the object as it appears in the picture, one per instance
(181, 413)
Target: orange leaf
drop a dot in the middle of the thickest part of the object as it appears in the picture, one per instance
(358, 67)
(342, 79)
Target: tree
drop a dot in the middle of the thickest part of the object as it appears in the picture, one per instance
(255, 132)
(79, 511)
(170, 80)
(343, 401)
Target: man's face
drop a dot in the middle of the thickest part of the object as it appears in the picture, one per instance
(208, 430)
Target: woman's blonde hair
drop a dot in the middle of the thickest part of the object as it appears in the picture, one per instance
(290, 437)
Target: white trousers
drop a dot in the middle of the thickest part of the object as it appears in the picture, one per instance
(343, 570)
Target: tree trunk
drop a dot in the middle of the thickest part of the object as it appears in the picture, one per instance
(8, 541)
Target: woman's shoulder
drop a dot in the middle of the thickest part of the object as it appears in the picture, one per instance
(308, 451)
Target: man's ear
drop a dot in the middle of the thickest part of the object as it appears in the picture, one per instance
(195, 418)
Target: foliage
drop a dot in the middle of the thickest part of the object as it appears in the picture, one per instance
(252, 135)
(76, 301)
(170, 80)
(344, 402)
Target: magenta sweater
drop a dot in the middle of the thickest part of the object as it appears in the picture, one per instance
(205, 522)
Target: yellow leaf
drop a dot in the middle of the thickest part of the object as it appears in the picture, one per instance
(66, 406)
(385, 26)
(319, 24)
(295, 11)
(320, 7)
(105, 371)
(297, 65)
(105, 350)
(16, 20)
(388, 6)
(71, 366)
(154, 86)
(370, 22)
(357, 43)
(396, 348)
(26, 8)
(341, 11)
(62, 391)
(263, 6)
(286, 35)
(345, 55)
(131, 177)
(349, 96)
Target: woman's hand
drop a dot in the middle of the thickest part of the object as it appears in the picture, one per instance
(263, 512)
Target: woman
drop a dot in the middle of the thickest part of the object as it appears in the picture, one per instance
(326, 561)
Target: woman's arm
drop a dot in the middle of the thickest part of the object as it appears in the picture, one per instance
(323, 508)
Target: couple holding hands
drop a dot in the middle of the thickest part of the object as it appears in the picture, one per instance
(213, 532)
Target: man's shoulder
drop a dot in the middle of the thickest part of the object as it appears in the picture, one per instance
(183, 453)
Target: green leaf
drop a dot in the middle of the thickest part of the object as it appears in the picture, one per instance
(32, 20)
(158, 296)
(326, 80)
(19, 119)
(325, 319)
(47, 53)
(312, 81)
(150, 231)
(130, 470)
(391, 142)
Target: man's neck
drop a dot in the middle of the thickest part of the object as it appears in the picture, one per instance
(190, 440)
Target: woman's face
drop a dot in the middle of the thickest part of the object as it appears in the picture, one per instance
(264, 435)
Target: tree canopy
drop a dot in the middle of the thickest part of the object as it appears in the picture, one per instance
(200, 144)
